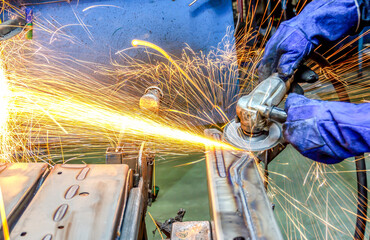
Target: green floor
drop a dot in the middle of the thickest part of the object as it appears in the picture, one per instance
(181, 186)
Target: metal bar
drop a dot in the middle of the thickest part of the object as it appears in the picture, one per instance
(239, 206)
(133, 214)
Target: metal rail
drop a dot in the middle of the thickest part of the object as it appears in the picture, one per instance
(239, 206)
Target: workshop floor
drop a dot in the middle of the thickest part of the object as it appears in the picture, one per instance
(181, 186)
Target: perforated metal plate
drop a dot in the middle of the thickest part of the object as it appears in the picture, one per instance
(76, 201)
(19, 182)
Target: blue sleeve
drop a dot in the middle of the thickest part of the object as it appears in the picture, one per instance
(320, 22)
(327, 132)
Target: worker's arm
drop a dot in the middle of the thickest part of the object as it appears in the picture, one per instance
(320, 22)
(325, 131)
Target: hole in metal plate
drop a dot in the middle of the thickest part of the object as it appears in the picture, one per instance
(71, 192)
(48, 237)
(84, 194)
(60, 227)
(23, 234)
(82, 174)
(60, 212)
(59, 173)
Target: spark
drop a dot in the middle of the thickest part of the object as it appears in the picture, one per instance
(102, 5)
(4, 98)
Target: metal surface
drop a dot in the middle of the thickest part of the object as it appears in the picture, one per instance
(19, 182)
(134, 214)
(94, 213)
(101, 28)
(194, 230)
(239, 204)
(234, 135)
(11, 28)
(151, 99)
(125, 154)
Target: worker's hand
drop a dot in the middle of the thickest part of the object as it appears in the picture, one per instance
(284, 52)
(327, 132)
(320, 22)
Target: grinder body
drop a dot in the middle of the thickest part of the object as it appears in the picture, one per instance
(257, 126)
(255, 110)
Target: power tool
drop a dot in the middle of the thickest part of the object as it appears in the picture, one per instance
(258, 124)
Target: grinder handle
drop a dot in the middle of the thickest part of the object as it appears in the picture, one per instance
(278, 114)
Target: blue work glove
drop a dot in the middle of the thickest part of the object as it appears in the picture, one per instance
(321, 21)
(327, 132)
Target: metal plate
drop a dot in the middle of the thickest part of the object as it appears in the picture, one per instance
(19, 182)
(234, 135)
(93, 213)
(195, 230)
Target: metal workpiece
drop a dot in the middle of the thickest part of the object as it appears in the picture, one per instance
(151, 99)
(250, 190)
(11, 28)
(77, 201)
(19, 182)
(139, 156)
(134, 218)
(239, 205)
(126, 153)
(193, 230)
(227, 221)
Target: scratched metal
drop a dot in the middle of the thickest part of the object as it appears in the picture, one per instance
(239, 204)
(92, 215)
(18, 182)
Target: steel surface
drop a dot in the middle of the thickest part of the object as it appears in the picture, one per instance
(19, 182)
(238, 203)
(93, 213)
(193, 230)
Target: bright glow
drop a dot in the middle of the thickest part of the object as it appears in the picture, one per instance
(96, 116)
(3, 217)
(4, 95)
(136, 43)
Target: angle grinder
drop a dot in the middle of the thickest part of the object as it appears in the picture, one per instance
(258, 124)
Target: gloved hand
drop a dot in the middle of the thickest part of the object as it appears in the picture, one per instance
(327, 132)
(319, 22)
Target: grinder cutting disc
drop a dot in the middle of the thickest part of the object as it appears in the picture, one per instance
(234, 135)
